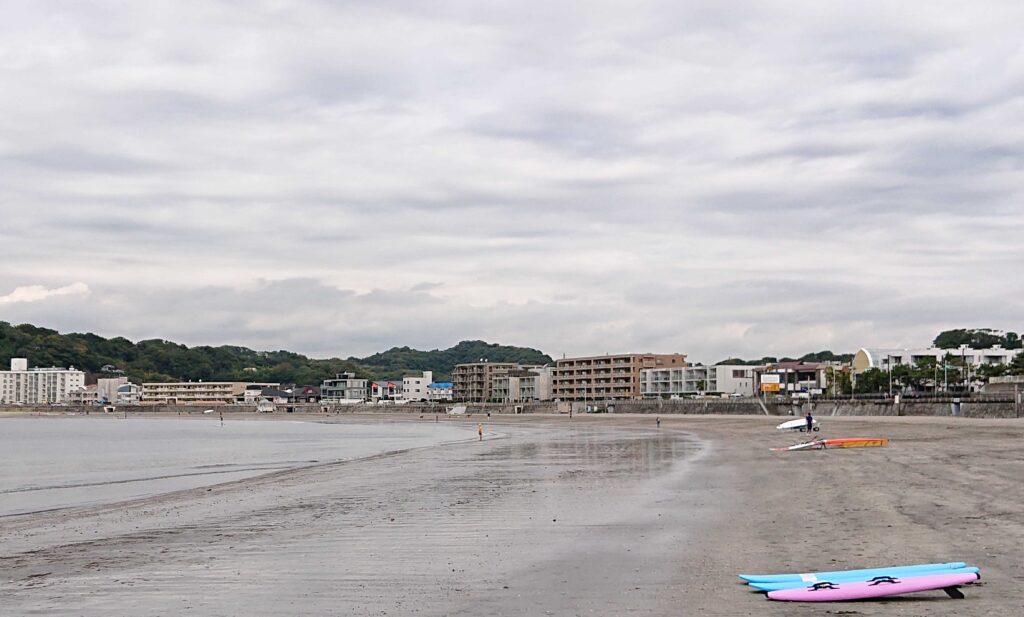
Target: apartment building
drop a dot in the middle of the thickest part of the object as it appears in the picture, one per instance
(522, 385)
(197, 392)
(733, 380)
(883, 358)
(610, 378)
(440, 391)
(344, 389)
(38, 386)
(417, 388)
(473, 382)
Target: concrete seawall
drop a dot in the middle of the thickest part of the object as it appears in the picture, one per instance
(968, 408)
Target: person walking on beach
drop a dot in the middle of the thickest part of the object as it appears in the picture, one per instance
(810, 421)
(657, 420)
(480, 431)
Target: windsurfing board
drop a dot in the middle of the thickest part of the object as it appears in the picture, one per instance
(798, 425)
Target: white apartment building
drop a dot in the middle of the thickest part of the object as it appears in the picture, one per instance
(882, 358)
(737, 380)
(38, 386)
(417, 388)
(197, 392)
(440, 391)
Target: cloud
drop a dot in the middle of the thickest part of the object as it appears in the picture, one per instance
(341, 177)
(38, 293)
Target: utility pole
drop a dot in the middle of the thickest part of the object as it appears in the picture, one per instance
(888, 362)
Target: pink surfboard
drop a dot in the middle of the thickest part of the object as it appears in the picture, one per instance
(876, 588)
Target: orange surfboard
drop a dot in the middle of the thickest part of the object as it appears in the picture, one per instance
(846, 442)
(856, 442)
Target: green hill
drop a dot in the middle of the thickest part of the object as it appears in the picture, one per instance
(399, 360)
(159, 360)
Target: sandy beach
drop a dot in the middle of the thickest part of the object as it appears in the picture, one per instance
(600, 515)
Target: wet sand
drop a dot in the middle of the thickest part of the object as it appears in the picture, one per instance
(597, 516)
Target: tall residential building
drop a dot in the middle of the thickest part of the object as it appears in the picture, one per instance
(344, 389)
(609, 378)
(471, 382)
(417, 388)
(38, 385)
(689, 380)
(197, 392)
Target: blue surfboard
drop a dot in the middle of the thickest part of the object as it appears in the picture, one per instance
(855, 578)
(869, 572)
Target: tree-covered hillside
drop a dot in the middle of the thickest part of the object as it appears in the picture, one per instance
(399, 360)
(817, 356)
(158, 360)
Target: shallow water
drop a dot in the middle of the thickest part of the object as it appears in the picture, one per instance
(52, 463)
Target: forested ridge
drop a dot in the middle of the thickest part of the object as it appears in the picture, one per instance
(160, 360)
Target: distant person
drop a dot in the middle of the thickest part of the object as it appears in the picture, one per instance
(480, 431)
(657, 421)
(810, 421)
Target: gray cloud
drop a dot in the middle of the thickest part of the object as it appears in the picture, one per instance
(340, 177)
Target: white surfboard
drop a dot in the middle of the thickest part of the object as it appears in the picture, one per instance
(797, 425)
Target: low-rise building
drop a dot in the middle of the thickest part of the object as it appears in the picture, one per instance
(440, 391)
(303, 394)
(197, 392)
(128, 394)
(345, 389)
(417, 388)
(386, 390)
(793, 377)
(35, 386)
(607, 378)
(884, 358)
(1009, 384)
(86, 395)
(723, 379)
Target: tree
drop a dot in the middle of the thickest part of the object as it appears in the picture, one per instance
(872, 381)
(976, 338)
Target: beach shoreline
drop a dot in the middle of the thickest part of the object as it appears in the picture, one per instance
(601, 514)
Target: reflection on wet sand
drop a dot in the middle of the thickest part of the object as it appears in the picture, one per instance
(541, 516)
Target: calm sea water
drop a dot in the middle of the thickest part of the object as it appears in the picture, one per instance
(49, 463)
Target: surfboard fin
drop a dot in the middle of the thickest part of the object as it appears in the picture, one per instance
(954, 592)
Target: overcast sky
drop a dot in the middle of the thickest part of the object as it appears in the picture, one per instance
(337, 178)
